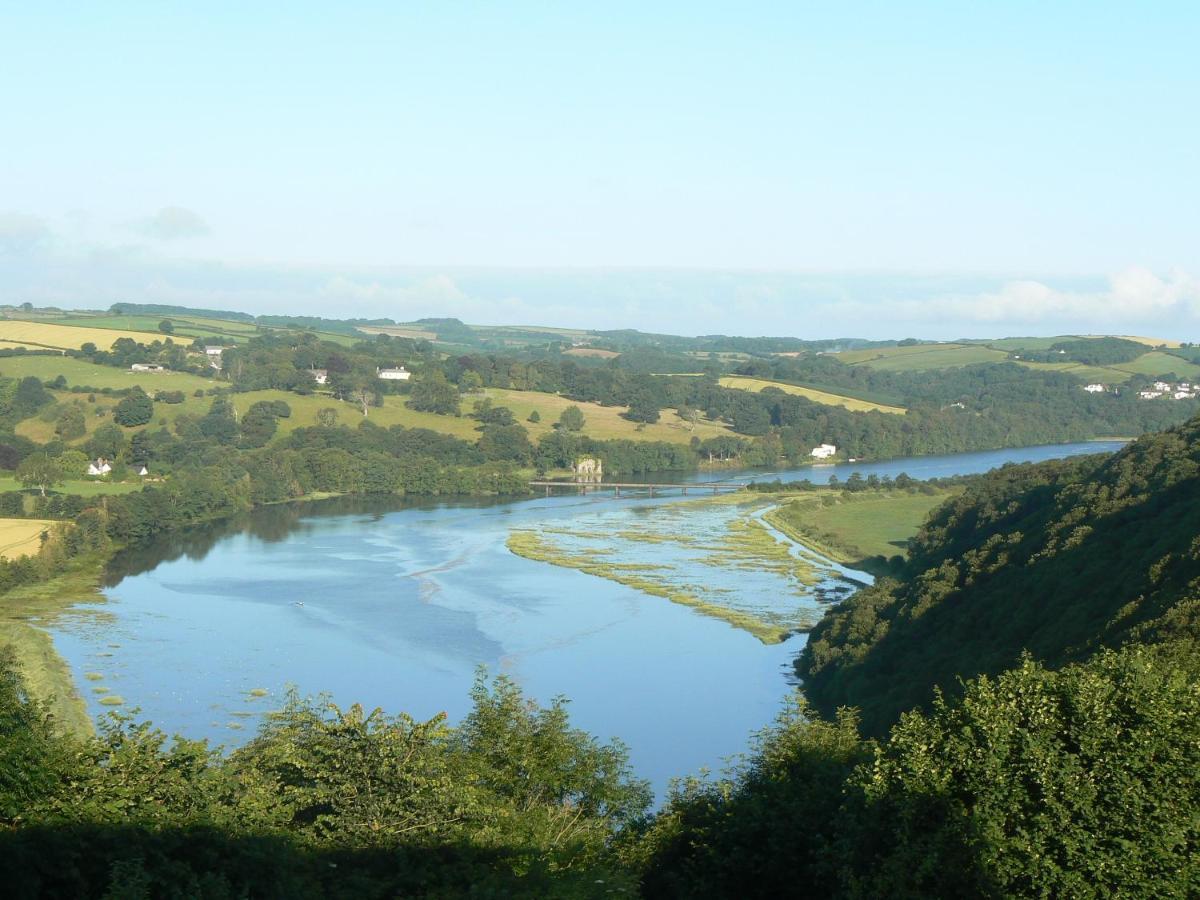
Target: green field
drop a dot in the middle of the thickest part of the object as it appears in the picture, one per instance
(81, 373)
(829, 399)
(921, 357)
(852, 528)
(84, 487)
(1159, 363)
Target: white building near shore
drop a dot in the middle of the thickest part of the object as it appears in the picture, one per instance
(824, 451)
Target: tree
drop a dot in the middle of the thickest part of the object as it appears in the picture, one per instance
(534, 417)
(166, 326)
(643, 408)
(71, 423)
(40, 471)
(327, 417)
(135, 408)
(433, 393)
(571, 419)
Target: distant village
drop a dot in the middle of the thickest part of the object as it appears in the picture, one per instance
(1180, 390)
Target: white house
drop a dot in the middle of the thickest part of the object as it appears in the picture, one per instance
(1150, 395)
(1184, 395)
(1161, 386)
(143, 471)
(824, 451)
(320, 376)
(1094, 388)
(400, 374)
(99, 467)
(147, 367)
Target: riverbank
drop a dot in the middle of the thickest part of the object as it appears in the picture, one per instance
(24, 614)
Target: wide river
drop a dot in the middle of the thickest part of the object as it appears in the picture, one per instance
(396, 605)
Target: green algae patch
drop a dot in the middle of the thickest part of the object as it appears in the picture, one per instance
(112, 700)
(715, 555)
(255, 693)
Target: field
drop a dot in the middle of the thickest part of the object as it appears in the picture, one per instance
(63, 337)
(852, 528)
(594, 352)
(83, 487)
(921, 357)
(1157, 363)
(601, 421)
(81, 373)
(851, 403)
(415, 332)
(21, 537)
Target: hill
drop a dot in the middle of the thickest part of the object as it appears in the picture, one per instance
(1058, 560)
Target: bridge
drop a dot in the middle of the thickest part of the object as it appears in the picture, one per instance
(587, 487)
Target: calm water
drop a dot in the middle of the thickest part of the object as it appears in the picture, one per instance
(396, 605)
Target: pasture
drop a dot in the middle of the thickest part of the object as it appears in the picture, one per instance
(851, 528)
(829, 399)
(82, 373)
(1158, 363)
(921, 357)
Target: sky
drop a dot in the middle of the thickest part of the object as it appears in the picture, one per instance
(813, 169)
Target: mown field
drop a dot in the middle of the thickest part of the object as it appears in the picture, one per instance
(84, 487)
(80, 373)
(22, 537)
(852, 528)
(1159, 363)
(63, 337)
(829, 399)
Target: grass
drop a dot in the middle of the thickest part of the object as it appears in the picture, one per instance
(44, 673)
(851, 403)
(1157, 363)
(922, 357)
(82, 373)
(854, 528)
(602, 422)
(64, 337)
(22, 537)
(83, 487)
(531, 545)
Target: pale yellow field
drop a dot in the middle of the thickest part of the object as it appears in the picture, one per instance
(21, 537)
(9, 345)
(69, 337)
(850, 403)
(1150, 341)
(416, 334)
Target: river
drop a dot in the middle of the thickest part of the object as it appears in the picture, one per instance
(396, 604)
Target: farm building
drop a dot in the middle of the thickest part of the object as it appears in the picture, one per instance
(147, 367)
(400, 374)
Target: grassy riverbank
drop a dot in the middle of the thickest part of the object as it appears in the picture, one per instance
(23, 613)
(861, 530)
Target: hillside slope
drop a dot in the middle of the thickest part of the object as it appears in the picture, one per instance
(1057, 559)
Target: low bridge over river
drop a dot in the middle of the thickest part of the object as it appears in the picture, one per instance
(588, 487)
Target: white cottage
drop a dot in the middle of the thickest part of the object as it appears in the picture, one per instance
(320, 376)
(99, 467)
(824, 451)
(1094, 388)
(147, 367)
(400, 374)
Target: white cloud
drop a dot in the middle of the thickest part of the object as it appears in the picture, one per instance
(173, 223)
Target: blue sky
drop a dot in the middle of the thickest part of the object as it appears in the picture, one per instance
(940, 169)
